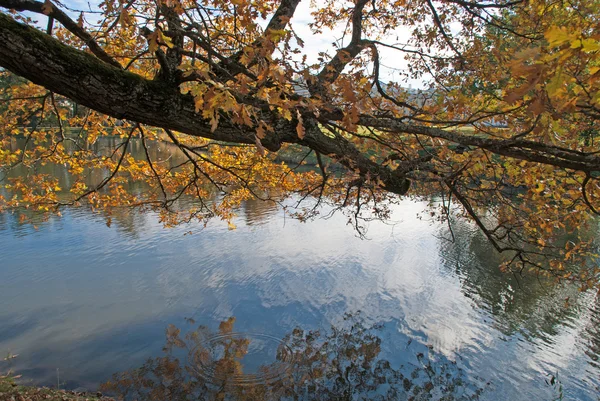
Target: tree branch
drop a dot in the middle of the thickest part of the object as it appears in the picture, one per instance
(336, 65)
(124, 95)
(66, 21)
(278, 21)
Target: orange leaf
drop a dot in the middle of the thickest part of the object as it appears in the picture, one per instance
(260, 131)
(300, 127)
(153, 42)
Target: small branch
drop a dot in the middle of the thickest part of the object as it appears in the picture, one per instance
(110, 177)
(66, 21)
(438, 23)
(585, 197)
(332, 70)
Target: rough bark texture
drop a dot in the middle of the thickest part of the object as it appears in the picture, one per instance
(98, 85)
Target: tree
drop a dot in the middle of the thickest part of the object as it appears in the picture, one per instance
(342, 364)
(505, 130)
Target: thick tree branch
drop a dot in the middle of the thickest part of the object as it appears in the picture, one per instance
(515, 148)
(121, 94)
(173, 57)
(282, 16)
(486, 5)
(66, 21)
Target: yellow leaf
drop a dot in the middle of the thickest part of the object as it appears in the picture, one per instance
(557, 36)
(167, 40)
(300, 127)
(555, 83)
(285, 113)
(276, 35)
(576, 44)
(590, 45)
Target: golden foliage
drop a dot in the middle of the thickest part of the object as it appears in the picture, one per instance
(506, 128)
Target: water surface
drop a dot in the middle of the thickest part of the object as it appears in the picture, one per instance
(84, 300)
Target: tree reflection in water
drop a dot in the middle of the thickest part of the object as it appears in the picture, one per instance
(342, 364)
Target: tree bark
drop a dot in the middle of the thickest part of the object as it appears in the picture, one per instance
(105, 88)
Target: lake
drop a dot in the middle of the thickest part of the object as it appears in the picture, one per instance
(81, 299)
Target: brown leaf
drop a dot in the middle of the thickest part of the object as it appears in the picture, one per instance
(537, 106)
(300, 127)
(514, 95)
(260, 149)
(260, 131)
(153, 42)
(47, 7)
(214, 123)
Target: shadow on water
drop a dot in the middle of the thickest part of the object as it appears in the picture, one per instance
(344, 363)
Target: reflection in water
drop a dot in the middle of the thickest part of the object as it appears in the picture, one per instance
(90, 299)
(528, 304)
(343, 364)
(164, 153)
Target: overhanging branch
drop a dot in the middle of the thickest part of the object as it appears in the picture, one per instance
(66, 21)
(82, 77)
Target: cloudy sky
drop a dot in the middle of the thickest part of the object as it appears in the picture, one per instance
(313, 44)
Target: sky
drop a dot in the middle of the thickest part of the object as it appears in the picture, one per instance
(313, 44)
(323, 42)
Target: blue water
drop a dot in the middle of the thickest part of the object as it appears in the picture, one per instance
(81, 300)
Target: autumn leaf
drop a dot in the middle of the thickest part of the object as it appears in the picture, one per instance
(537, 106)
(47, 7)
(214, 122)
(153, 41)
(300, 126)
(125, 19)
(557, 36)
(260, 131)
(590, 45)
(260, 149)
(277, 34)
(165, 39)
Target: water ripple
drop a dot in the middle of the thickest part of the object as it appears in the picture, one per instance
(221, 359)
